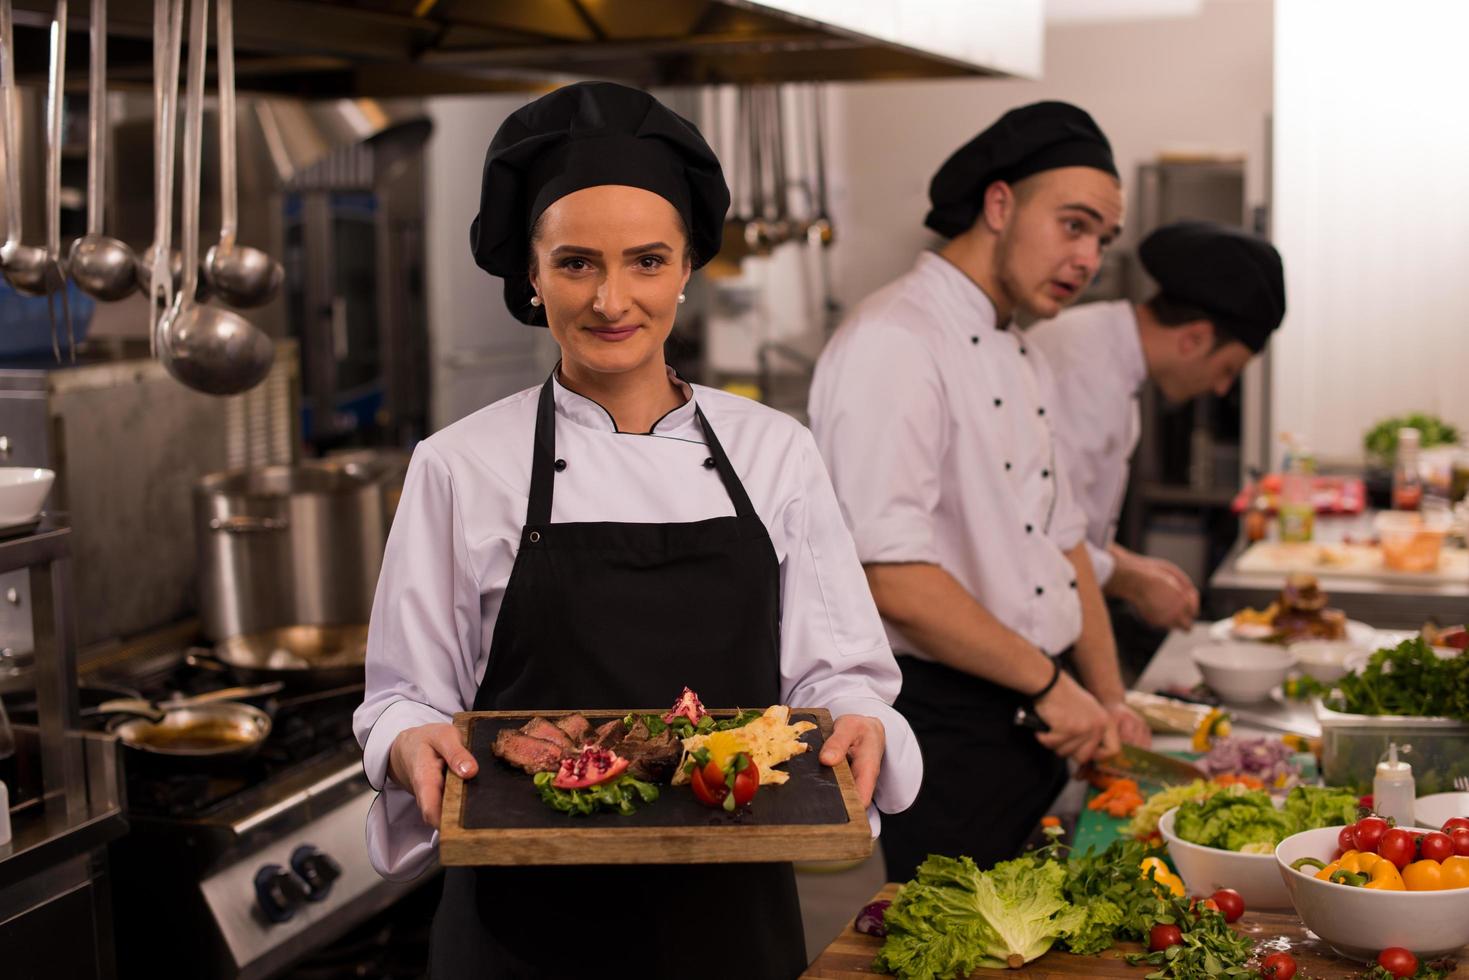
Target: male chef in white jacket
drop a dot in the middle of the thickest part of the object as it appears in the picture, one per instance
(1220, 295)
(932, 415)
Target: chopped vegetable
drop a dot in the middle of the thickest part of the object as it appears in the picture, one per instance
(1250, 822)
(1269, 760)
(1214, 725)
(870, 919)
(1144, 824)
(1120, 799)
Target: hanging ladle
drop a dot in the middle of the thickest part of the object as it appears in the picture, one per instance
(209, 349)
(101, 265)
(238, 274)
(25, 265)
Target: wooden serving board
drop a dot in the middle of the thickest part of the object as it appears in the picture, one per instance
(850, 956)
(498, 818)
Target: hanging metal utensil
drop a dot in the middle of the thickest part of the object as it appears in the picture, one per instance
(159, 269)
(821, 229)
(238, 274)
(101, 265)
(54, 276)
(209, 349)
(25, 265)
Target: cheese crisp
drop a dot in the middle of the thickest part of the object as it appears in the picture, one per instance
(769, 739)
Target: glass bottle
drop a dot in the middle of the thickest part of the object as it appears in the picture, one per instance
(1297, 509)
(1407, 483)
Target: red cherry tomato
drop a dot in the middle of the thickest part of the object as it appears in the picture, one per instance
(1278, 966)
(1231, 904)
(1163, 935)
(707, 794)
(1398, 961)
(1436, 847)
(1398, 847)
(1347, 839)
(1455, 823)
(1368, 832)
(747, 781)
(1460, 837)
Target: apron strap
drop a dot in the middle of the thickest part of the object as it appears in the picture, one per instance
(732, 484)
(543, 459)
(543, 462)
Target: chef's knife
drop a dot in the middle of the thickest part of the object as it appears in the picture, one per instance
(1131, 762)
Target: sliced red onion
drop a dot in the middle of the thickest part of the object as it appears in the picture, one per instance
(870, 921)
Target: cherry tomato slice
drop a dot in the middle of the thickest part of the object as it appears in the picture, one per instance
(746, 782)
(706, 794)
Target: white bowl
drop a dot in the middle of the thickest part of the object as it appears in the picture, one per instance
(1435, 809)
(1325, 660)
(22, 491)
(1205, 870)
(1243, 672)
(1360, 923)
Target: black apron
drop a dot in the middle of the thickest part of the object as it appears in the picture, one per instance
(616, 616)
(986, 780)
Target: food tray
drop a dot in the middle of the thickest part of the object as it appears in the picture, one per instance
(497, 818)
(1351, 746)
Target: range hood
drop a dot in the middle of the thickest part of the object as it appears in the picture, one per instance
(383, 48)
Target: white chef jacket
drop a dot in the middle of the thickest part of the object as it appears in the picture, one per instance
(935, 426)
(457, 531)
(1096, 356)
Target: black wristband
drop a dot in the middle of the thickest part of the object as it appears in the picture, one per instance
(1055, 676)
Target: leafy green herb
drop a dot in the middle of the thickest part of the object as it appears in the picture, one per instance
(683, 728)
(1408, 679)
(953, 918)
(1382, 439)
(1120, 903)
(621, 794)
(1209, 949)
(1304, 688)
(1432, 970)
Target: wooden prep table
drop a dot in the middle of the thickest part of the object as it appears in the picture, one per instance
(850, 956)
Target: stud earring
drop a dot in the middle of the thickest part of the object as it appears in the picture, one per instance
(535, 301)
(681, 297)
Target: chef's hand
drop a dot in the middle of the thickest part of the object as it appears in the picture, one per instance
(1159, 590)
(860, 739)
(1130, 725)
(416, 762)
(1081, 728)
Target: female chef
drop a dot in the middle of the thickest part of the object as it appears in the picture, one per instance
(603, 540)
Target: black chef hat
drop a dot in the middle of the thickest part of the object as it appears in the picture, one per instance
(587, 135)
(1233, 276)
(1025, 141)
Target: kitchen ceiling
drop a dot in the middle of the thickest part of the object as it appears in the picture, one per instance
(334, 48)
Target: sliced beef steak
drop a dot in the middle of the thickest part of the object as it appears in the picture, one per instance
(652, 758)
(576, 728)
(609, 733)
(527, 752)
(539, 727)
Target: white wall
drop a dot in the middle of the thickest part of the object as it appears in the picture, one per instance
(1199, 82)
(1370, 169)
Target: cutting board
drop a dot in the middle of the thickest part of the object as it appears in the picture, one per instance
(850, 956)
(1346, 561)
(498, 818)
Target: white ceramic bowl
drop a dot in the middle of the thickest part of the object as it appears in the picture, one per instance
(1435, 809)
(1325, 660)
(1243, 672)
(1360, 923)
(1205, 870)
(22, 491)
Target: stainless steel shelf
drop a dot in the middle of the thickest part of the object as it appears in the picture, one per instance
(39, 547)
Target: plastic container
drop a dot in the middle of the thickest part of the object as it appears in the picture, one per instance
(1351, 746)
(1392, 788)
(1409, 543)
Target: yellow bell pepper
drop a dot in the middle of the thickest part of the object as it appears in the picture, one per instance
(1367, 870)
(1423, 876)
(1214, 723)
(1456, 872)
(1161, 875)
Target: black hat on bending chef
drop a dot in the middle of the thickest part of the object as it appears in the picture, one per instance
(1024, 141)
(587, 135)
(1233, 276)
